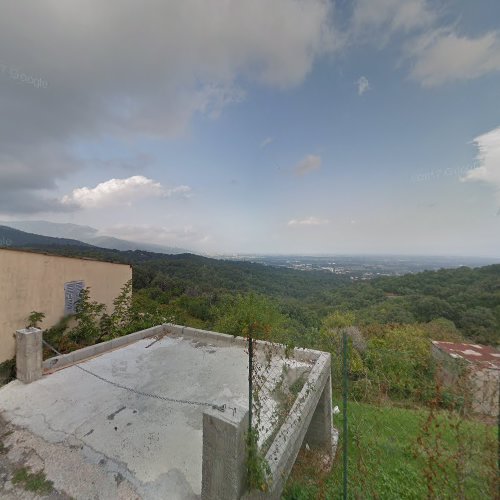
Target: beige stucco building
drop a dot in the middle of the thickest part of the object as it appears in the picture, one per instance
(50, 284)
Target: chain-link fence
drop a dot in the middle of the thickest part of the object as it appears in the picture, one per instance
(276, 378)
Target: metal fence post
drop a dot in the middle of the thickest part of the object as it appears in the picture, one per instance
(344, 408)
(250, 381)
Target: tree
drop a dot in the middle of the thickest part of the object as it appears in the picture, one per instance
(479, 323)
(251, 313)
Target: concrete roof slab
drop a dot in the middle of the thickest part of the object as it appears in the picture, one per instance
(154, 444)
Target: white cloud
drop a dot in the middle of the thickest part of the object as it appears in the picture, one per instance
(308, 164)
(389, 16)
(266, 142)
(437, 53)
(308, 221)
(488, 146)
(442, 56)
(363, 85)
(120, 191)
(141, 71)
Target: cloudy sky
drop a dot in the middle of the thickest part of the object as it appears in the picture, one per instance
(291, 126)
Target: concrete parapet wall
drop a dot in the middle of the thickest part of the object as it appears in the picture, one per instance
(223, 339)
(58, 362)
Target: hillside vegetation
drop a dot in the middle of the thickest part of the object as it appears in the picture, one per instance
(193, 289)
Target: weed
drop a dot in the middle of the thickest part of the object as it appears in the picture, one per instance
(37, 483)
(34, 319)
(257, 467)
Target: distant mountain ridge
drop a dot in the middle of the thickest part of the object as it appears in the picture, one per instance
(88, 235)
(10, 237)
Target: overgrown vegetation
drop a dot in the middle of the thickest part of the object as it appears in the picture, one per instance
(92, 324)
(257, 467)
(389, 451)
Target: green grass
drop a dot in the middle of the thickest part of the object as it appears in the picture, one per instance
(32, 482)
(394, 454)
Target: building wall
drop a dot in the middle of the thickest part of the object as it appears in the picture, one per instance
(485, 385)
(35, 282)
(482, 384)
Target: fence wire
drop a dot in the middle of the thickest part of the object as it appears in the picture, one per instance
(445, 436)
(276, 379)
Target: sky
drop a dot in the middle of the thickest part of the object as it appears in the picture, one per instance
(222, 126)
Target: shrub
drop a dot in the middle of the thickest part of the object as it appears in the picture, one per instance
(34, 319)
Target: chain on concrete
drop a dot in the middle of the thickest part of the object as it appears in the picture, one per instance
(214, 406)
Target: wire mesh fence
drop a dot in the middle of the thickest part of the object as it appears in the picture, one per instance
(411, 425)
(276, 379)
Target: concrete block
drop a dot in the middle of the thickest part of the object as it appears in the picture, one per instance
(51, 363)
(151, 332)
(81, 354)
(192, 333)
(29, 357)
(102, 347)
(58, 362)
(134, 337)
(173, 329)
(119, 342)
(224, 454)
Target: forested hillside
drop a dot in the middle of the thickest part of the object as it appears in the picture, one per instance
(194, 290)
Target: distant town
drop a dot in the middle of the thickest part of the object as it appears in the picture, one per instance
(364, 267)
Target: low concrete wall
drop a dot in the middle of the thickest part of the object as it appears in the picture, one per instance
(223, 339)
(58, 362)
(215, 338)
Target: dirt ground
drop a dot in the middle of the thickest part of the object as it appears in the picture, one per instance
(22, 469)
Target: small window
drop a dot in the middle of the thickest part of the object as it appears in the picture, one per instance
(72, 291)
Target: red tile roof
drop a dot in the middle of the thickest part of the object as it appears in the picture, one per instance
(474, 353)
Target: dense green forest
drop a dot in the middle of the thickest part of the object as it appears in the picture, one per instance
(195, 290)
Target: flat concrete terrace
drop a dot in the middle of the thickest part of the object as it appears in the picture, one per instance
(154, 445)
(158, 414)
